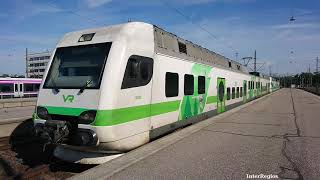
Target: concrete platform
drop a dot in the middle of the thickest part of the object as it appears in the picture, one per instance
(276, 136)
(15, 114)
(10, 118)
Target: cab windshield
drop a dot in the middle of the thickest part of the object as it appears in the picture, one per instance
(73, 67)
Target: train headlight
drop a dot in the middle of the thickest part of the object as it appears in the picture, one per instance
(87, 117)
(42, 113)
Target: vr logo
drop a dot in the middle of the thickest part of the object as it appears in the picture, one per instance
(67, 98)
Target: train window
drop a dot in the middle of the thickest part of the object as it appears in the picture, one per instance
(16, 88)
(37, 87)
(228, 93)
(188, 84)
(31, 87)
(172, 84)
(21, 89)
(233, 93)
(201, 85)
(138, 72)
(237, 95)
(182, 47)
(229, 64)
(28, 87)
(240, 91)
(5, 88)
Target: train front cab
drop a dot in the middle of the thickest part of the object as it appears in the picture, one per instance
(122, 97)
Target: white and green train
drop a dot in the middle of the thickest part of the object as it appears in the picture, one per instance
(116, 88)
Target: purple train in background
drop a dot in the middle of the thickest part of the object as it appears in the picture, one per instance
(19, 87)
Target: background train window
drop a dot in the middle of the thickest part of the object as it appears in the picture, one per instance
(228, 93)
(31, 87)
(138, 72)
(237, 92)
(241, 91)
(233, 93)
(172, 84)
(201, 85)
(6, 88)
(188, 84)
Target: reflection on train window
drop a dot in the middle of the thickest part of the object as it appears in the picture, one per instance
(188, 84)
(228, 93)
(237, 92)
(233, 93)
(138, 72)
(172, 84)
(201, 85)
(6, 88)
(240, 91)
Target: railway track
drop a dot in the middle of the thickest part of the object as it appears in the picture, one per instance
(13, 167)
(10, 168)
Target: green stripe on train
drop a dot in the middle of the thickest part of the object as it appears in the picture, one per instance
(211, 99)
(122, 115)
(65, 110)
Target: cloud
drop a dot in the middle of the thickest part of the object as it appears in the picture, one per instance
(295, 26)
(27, 39)
(195, 2)
(273, 44)
(26, 9)
(97, 3)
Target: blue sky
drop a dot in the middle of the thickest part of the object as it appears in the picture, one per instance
(234, 25)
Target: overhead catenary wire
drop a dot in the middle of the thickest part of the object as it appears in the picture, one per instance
(91, 20)
(198, 25)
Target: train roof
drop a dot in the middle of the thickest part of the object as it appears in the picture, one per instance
(165, 43)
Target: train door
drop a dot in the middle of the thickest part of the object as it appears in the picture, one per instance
(136, 89)
(221, 100)
(20, 90)
(16, 89)
(244, 91)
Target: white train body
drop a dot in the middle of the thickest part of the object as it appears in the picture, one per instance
(138, 89)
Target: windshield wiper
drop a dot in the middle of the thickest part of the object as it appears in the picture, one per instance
(55, 86)
(84, 86)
